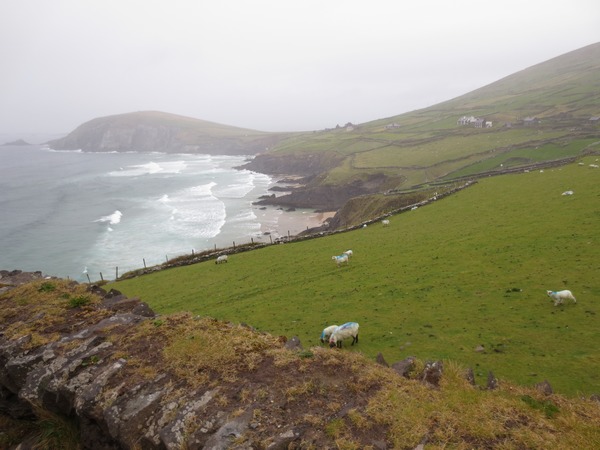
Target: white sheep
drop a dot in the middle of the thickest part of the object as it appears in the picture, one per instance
(348, 252)
(568, 193)
(327, 332)
(349, 329)
(594, 166)
(560, 296)
(343, 258)
(221, 259)
(385, 222)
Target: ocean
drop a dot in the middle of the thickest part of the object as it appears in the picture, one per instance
(79, 214)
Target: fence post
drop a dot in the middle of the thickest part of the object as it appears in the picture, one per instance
(234, 245)
(88, 277)
(252, 240)
(116, 273)
(144, 259)
(101, 277)
(271, 238)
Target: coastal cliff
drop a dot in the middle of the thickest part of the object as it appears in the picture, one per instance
(153, 131)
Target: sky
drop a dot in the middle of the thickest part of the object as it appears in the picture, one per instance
(269, 65)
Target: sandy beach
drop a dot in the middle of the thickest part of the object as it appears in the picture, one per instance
(277, 222)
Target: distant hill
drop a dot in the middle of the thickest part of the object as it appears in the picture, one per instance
(152, 131)
(17, 142)
(549, 111)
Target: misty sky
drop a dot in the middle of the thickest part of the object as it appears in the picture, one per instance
(271, 65)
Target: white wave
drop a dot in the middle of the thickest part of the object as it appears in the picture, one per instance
(61, 151)
(112, 219)
(165, 167)
(243, 216)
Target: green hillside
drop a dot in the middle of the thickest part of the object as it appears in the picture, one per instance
(466, 271)
(541, 113)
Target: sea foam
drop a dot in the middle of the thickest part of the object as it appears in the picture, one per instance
(112, 219)
(150, 168)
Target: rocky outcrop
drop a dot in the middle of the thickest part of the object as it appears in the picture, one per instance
(306, 165)
(124, 374)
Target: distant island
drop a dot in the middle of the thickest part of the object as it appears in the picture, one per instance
(17, 142)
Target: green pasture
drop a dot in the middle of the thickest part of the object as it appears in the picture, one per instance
(466, 271)
(552, 151)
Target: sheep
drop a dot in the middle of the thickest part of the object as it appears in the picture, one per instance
(594, 166)
(343, 258)
(327, 332)
(568, 193)
(348, 252)
(349, 329)
(221, 259)
(560, 296)
(385, 222)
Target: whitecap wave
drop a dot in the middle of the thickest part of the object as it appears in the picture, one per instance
(194, 212)
(243, 185)
(61, 151)
(150, 168)
(112, 219)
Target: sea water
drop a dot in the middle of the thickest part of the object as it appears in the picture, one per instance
(78, 214)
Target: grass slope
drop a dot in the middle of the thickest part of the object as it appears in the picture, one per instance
(427, 144)
(469, 270)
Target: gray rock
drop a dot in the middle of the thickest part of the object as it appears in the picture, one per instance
(470, 376)
(432, 373)
(381, 360)
(544, 387)
(229, 431)
(492, 381)
(405, 366)
(294, 344)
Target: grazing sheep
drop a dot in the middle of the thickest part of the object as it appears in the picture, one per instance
(327, 332)
(348, 252)
(385, 222)
(221, 259)
(594, 166)
(343, 258)
(568, 193)
(560, 296)
(349, 329)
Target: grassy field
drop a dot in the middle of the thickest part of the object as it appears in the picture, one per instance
(466, 271)
(427, 144)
